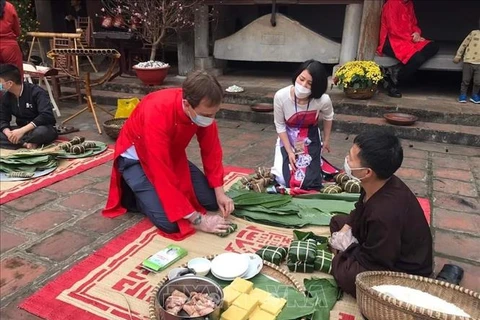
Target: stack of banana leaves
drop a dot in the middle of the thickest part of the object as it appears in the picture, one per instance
(290, 212)
(24, 163)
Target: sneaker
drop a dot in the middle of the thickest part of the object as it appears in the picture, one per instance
(462, 98)
(475, 98)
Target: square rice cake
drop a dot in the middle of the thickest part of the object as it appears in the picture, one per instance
(229, 295)
(234, 313)
(245, 302)
(260, 295)
(273, 305)
(241, 285)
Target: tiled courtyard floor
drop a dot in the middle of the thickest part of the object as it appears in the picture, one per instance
(46, 232)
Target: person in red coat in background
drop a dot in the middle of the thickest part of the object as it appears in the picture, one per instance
(401, 38)
(10, 52)
(151, 172)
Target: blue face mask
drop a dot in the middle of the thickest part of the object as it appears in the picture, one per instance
(200, 121)
(2, 89)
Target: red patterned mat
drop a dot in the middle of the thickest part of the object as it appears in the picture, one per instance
(109, 284)
(67, 168)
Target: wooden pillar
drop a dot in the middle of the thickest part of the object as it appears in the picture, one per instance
(185, 51)
(369, 29)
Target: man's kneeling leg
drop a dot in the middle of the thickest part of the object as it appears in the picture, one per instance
(147, 199)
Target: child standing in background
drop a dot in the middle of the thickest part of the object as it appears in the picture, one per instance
(470, 50)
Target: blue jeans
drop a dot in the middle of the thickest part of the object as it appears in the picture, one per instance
(148, 202)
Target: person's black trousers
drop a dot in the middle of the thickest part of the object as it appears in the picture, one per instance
(41, 135)
(415, 62)
(147, 199)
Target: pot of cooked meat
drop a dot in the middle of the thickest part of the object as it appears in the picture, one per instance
(189, 297)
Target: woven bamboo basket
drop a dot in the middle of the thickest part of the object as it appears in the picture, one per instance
(112, 127)
(378, 306)
(362, 93)
(269, 269)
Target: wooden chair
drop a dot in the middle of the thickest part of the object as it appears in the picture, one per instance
(85, 23)
(68, 63)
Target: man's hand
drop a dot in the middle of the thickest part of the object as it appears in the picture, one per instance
(211, 223)
(416, 37)
(7, 132)
(456, 60)
(16, 135)
(224, 202)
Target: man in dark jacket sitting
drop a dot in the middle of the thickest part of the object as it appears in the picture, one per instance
(387, 230)
(32, 109)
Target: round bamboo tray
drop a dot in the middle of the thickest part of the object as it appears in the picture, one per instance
(269, 269)
(112, 127)
(378, 306)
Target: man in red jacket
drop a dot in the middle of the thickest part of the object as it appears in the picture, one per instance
(151, 171)
(401, 38)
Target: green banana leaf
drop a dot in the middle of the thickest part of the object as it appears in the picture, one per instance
(27, 164)
(26, 160)
(302, 235)
(312, 217)
(326, 292)
(334, 196)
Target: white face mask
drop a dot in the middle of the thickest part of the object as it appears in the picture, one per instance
(348, 171)
(301, 92)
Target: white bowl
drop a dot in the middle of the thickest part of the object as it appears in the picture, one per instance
(201, 266)
(172, 274)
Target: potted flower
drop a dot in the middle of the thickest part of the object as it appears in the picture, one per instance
(150, 20)
(359, 79)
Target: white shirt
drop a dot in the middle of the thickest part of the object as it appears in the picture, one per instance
(284, 107)
(131, 153)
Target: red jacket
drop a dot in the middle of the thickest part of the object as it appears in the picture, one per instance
(161, 131)
(399, 23)
(9, 24)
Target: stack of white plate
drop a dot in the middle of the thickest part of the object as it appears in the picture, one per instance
(228, 266)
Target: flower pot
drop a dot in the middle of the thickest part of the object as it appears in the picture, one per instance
(361, 93)
(151, 76)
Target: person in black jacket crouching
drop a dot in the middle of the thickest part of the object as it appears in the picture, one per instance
(31, 106)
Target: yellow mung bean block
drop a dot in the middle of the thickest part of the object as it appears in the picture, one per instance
(273, 305)
(229, 295)
(245, 302)
(241, 285)
(260, 294)
(259, 314)
(234, 313)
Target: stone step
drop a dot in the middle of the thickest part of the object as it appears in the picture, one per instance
(355, 124)
(427, 110)
(348, 123)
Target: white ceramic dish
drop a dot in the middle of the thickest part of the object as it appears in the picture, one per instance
(201, 266)
(255, 265)
(230, 265)
(228, 279)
